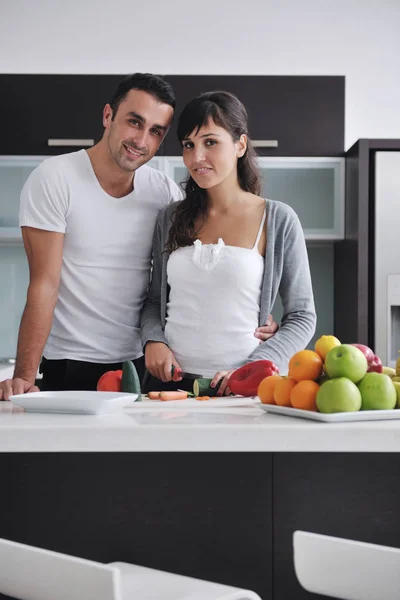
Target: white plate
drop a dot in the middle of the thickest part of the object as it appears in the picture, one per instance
(76, 402)
(341, 417)
(227, 401)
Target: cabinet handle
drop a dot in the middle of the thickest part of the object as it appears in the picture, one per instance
(265, 143)
(65, 142)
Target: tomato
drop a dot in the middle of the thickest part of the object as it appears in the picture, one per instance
(110, 381)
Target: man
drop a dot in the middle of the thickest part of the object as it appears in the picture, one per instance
(87, 222)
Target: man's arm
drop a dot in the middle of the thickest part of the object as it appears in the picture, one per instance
(299, 318)
(268, 330)
(44, 253)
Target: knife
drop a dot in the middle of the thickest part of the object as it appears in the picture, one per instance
(185, 375)
(181, 373)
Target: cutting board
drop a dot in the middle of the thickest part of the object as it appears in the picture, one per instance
(228, 401)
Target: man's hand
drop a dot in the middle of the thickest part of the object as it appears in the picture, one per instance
(159, 360)
(267, 331)
(9, 387)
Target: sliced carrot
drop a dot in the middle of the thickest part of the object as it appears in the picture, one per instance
(173, 395)
(202, 397)
(153, 395)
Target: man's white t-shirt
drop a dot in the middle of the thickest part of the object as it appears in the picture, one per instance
(106, 257)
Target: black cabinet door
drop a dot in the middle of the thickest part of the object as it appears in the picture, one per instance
(204, 515)
(303, 114)
(352, 496)
(37, 108)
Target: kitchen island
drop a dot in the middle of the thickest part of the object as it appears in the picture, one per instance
(214, 493)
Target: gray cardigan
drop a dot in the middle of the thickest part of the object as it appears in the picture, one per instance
(286, 271)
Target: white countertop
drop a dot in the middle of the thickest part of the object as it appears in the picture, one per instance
(156, 429)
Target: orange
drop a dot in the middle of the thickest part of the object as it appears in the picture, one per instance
(305, 364)
(324, 344)
(283, 390)
(304, 395)
(266, 389)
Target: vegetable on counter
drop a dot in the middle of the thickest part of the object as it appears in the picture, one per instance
(201, 387)
(130, 380)
(123, 380)
(111, 381)
(173, 395)
(245, 380)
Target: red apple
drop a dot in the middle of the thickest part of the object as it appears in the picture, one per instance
(375, 366)
(374, 362)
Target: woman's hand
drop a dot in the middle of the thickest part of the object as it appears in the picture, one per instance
(159, 360)
(223, 389)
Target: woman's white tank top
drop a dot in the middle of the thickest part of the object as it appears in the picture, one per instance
(214, 305)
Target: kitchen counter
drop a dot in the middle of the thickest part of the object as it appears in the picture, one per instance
(213, 493)
(204, 429)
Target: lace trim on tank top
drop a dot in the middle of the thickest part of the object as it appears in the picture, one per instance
(206, 256)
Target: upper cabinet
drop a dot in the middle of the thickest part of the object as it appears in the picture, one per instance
(313, 187)
(288, 115)
(14, 171)
(52, 114)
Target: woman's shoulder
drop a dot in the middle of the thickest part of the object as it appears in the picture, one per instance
(281, 213)
(165, 214)
(169, 210)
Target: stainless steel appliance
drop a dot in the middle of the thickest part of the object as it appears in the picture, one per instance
(367, 262)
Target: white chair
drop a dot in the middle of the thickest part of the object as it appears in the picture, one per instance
(346, 569)
(30, 573)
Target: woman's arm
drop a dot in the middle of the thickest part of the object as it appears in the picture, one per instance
(158, 356)
(151, 324)
(295, 289)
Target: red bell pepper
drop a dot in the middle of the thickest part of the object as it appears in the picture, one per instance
(245, 380)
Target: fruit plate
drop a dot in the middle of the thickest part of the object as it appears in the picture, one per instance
(341, 417)
(75, 402)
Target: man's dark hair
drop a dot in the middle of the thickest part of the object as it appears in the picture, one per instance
(147, 82)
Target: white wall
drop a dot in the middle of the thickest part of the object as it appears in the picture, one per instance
(356, 38)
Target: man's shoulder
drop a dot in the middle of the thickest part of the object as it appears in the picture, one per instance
(57, 166)
(160, 182)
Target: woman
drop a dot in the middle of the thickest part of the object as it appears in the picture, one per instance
(221, 256)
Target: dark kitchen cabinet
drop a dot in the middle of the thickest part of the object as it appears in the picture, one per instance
(37, 108)
(303, 114)
(346, 495)
(200, 514)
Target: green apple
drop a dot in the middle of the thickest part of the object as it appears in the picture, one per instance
(397, 388)
(377, 392)
(346, 361)
(338, 395)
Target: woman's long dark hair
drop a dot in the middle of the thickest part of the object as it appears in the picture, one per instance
(226, 110)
